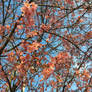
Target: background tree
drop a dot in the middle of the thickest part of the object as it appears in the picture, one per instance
(45, 44)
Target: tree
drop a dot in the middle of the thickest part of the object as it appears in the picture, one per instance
(45, 44)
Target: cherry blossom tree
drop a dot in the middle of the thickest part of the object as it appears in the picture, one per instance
(45, 44)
